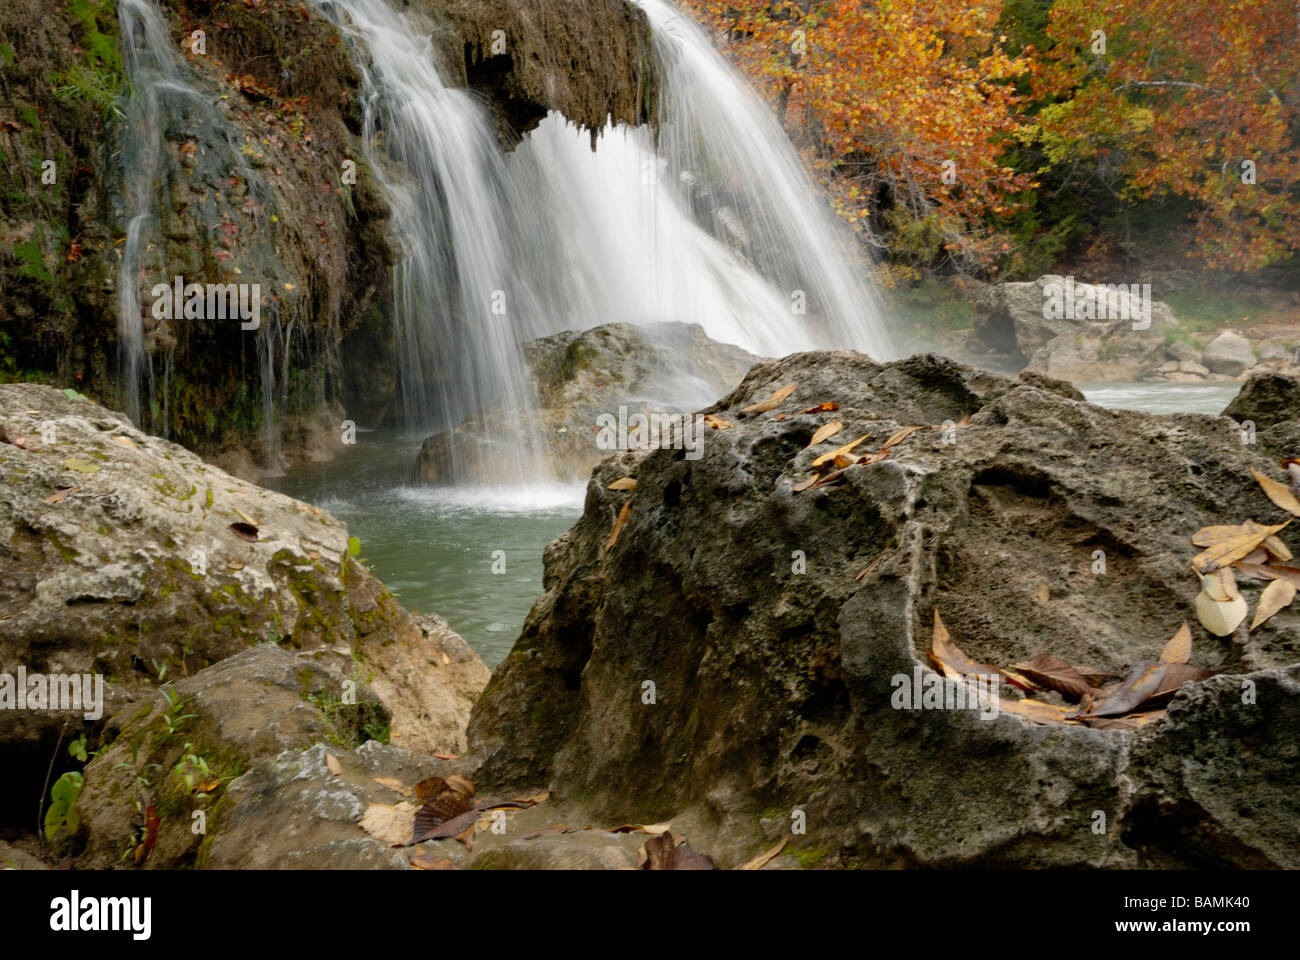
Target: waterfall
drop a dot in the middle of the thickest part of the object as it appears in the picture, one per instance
(715, 223)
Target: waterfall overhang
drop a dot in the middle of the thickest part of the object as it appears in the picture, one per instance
(590, 60)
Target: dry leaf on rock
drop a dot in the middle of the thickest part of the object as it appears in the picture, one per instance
(1055, 674)
(1131, 722)
(803, 485)
(1147, 684)
(389, 824)
(826, 431)
(828, 457)
(58, 497)
(332, 762)
(553, 830)
(1271, 545)
(1043, 593)
(716, 422)
(126, 442)
(763, 859)
(1034, 710)
(428, 826)
(1219, 607)
(1179, 647)
(946, 653)
(1275, 597)
(772, 402)
(626, 483)
(651, 828)
(1233, 548)
(826, 407)
(619, 522)
(899, 436)
(395, 785)
(1279, 493)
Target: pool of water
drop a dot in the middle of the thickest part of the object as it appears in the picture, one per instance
(434, 548)
(1162, 397)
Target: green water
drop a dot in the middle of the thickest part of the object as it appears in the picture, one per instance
(434, 548)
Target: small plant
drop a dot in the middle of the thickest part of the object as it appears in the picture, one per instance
(62, 810)
(172, 717)
(191, 769)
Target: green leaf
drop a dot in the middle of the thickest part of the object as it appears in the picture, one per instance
(63, 796)
(77, 748)
(354, 546)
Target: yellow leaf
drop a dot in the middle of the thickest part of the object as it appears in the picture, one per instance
(828, 457)
(626, 483)
(332, 762)
(825, 432)
(619, 522)
(1279, 493)
(1179, 648)
(1276, 596)
(717, 423)
(772, 402)
(763, 859)
(1232, 549)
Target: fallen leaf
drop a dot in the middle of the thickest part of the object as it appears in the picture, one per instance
(466, 837)
(389, 824)
(332, 762)
(234, 565)
(826, 407)
(828, 457)
(626, 483)
(1147, 684)
(552, 830)
(1209, 536)
(780, 416)
(619, 522)
(447, 756)
(58, 497)
(899, 436)
(826, 431)
(1221, 585)
(772, 402)
(1179, 647)
(1043, 593)
(1055, 674)
(1275, 571)
(1231, 549)
(245, 517)
(670, 852)
(763, 859)
(395, 785)
(946, 653)
(1219, 616)
(425, 826)
(844, 460)
(1275, 597)
(871, 458)
(1271, 543)
(1034, 710)
(1279, 493)
(805, 484)
(245, 531)
(717, 423)
(126, 442)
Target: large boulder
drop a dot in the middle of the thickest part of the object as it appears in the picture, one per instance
(656, 368)
(125, 556)
(1229, 353)
(1093, 340)
(773, 623)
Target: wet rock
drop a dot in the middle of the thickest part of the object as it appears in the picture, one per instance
(772, 625)
(658, 368)
(1229, 353)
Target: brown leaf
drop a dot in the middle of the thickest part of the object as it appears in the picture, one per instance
(1055, 674)
(835, 476)
(1043, 593)
(447, 756)
(670, 852)
(625, 483)
(1209, 536)
(619, 522)
(245, 531)
(717, 423)
(873, 457)
(803, 485)
(58, 497)
(828, 457)
(332, 762)
(1271, 544)
(555, 828)
(826, 407)
(1279, 493)
(653, 828)
(1275, 597)
(899, 436)
(945, 653)
(1179, 647)
(428, 826)
(763, 859)
(772, 402)
(844, 460)
(1147, 685)
(126, 442)
(825, 432)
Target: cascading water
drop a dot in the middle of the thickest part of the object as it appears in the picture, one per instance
(715, 223)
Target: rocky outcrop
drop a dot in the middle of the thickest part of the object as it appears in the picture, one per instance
(656, 368)
(1073, 331)
(1270, 402)
(770, 624)
(126, 556)
(1228, 353)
